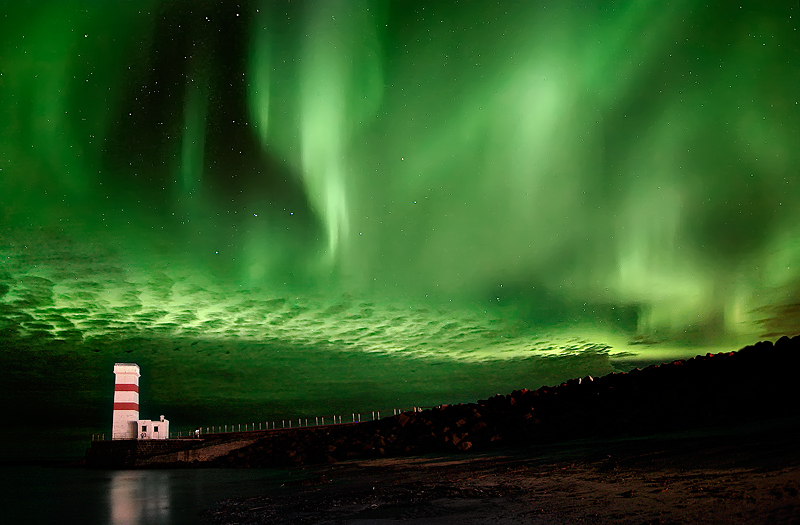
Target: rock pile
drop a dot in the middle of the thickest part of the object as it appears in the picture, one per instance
(755, 382)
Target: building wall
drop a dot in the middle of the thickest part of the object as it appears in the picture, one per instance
(147, 429)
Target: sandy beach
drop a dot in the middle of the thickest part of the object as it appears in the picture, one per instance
(746, 474)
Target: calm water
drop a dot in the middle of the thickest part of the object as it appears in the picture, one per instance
(66, 495)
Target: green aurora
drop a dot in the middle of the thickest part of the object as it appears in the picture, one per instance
(305, 208)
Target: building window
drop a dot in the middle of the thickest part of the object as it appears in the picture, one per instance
(144, 428)
(155, 428)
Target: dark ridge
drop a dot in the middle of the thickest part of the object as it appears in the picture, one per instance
(716, 390)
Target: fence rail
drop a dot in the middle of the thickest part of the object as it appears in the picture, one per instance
(282, 424)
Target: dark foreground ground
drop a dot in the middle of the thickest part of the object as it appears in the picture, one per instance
(733, 474)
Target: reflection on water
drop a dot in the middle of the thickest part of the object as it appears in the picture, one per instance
(139, 497)
(124, 497)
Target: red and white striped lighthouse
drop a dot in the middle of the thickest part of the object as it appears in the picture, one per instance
(126, 401)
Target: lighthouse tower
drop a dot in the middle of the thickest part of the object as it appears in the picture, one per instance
(126, 401)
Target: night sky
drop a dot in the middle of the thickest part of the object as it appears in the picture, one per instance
(304, 208)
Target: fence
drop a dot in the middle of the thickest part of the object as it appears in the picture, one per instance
(283, 424)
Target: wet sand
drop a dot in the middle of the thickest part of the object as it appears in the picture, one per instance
(745, 474)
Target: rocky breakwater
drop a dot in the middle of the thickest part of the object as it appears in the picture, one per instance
(754, 383)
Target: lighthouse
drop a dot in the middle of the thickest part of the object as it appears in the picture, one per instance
(126, 401)
(126, 423)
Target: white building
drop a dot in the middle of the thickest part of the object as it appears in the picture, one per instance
(153, 429)
(126, 423)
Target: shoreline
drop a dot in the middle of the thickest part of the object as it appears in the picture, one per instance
(725, 475)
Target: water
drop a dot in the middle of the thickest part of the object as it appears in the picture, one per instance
(123, 497)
